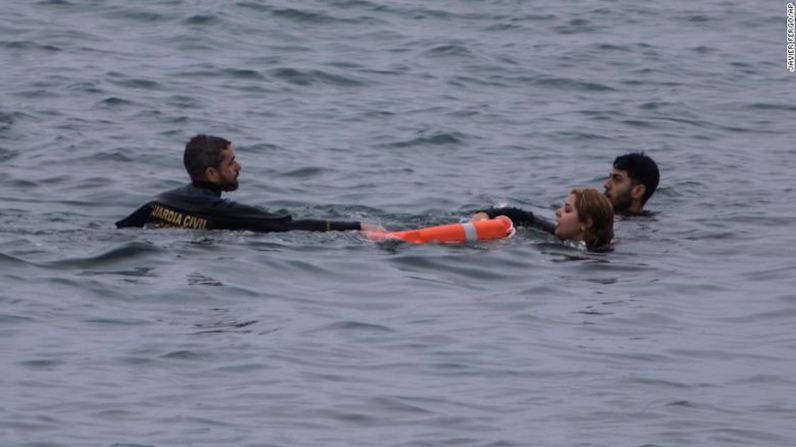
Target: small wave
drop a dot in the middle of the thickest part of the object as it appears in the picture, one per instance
(197, 279)
(352, 4)
(42, 363)
(577, 26)
(681, 403)
(571, 84)
(127, 444)
(184, 354)
(175, 120)
(458, 50)
(304, 173)
(511, 23)
(119, 154)
(137, 272)
(137, 15)
(225, 326)
(767, 317)
(311, 77)
(118, 321)
(769, 106)
(183, 102)
(699, 18)
(526, 18)
(319, 18)
(356, 326)
(263, 147)
(71, 36)
(202, 19)
(8, 260)
(113, 102)
(189, 43)
(127, 251)
(303, 16)
(117, 415)
(23, 184)
(28, 45)
(39, 94)
(611, 47)
(7, 154)
(6, 119)
(741, 64)
(654, 105)
(145, 84)
(642, 124)
(423, 13)
(392, 404)
(54, 3)
(6, 319)
(85, 87)
(703, 49)
(435, 139)
(503, 27)
(254, 6)
(583, 136)
(244, 74)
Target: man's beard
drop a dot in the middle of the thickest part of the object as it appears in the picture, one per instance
(623, 202)
(229, 186)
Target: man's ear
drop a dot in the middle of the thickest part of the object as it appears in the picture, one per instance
(637, 191)
(212, 175)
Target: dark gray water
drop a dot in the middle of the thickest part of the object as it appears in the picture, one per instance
(404, 113)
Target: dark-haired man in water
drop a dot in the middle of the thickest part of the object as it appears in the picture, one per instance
(211, 164)
(632, 181)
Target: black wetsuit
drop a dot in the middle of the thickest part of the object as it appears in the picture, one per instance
(521, 218)
(200, 206)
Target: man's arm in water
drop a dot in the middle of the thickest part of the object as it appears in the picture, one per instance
(519, 217)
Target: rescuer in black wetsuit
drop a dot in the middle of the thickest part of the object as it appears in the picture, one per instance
(210, 161)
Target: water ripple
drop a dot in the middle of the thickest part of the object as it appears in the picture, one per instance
(203, 19)
(571, 84)
(28, 45)
(433, 139)
(406, 114)
(123, 252)
(313, 77)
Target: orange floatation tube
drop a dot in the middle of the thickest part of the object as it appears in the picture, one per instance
(500, 227)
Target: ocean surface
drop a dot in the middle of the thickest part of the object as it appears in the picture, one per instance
(404, 113)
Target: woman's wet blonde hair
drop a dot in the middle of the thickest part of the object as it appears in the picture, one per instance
(595, 207)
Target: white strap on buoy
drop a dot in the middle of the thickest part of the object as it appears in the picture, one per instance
(470, 234)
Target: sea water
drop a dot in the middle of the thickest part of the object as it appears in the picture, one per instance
(402, 113)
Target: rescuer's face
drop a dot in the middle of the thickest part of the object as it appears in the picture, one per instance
(226, 175)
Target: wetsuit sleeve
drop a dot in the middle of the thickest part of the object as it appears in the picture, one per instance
(324, 225)
(521, 218)
(172, 210)
(285, 223)
(265, 221)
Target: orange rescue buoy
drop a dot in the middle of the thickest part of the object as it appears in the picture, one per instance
(483, 230)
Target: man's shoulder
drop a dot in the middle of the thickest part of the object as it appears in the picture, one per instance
(190, 192)
(643, 214)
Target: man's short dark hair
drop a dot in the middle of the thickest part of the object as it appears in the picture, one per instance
(202, 152)
(641, 169)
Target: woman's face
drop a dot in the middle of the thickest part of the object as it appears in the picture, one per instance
(568, 227)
